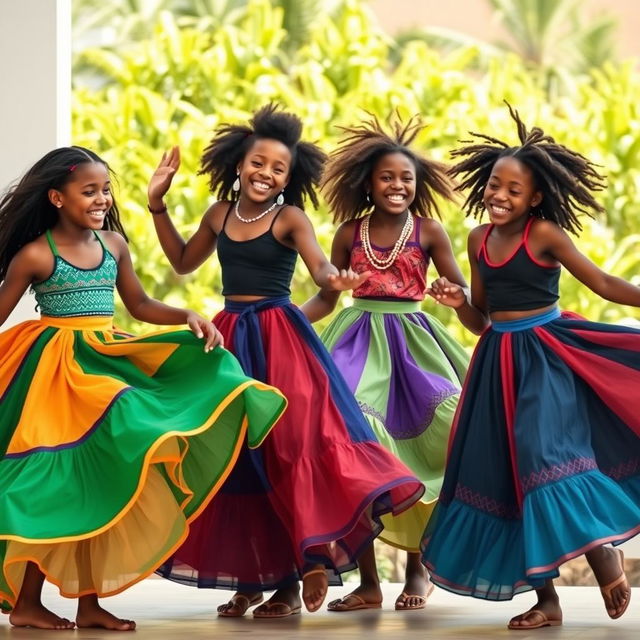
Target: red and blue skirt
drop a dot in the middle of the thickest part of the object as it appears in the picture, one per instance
(316, 490)
(544, 457)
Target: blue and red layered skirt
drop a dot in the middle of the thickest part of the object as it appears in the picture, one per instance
(544, 458)
(315, 491)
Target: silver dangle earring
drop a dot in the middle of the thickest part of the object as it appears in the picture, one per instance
(368, 198)
(236, 185)
(280, 198)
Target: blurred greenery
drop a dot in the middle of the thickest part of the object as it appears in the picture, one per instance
(169, 71)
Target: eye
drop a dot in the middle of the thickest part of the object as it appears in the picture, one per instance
(514, 193)
(88, 193)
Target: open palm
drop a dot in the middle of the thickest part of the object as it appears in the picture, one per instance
(163, 175)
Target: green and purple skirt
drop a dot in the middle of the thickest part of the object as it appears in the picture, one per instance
(406, 372)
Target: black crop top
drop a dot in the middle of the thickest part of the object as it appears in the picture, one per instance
(519, 283)
(261, 266)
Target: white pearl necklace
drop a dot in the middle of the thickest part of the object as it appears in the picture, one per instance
(248, 220)
(398, 247)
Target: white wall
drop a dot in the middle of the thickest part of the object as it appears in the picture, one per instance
(35, 91)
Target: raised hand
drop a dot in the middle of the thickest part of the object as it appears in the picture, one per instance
(347, 279)
(447, 293)
(163, 175)
(205, 329)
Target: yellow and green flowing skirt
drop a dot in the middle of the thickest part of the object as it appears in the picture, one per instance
(111, 445)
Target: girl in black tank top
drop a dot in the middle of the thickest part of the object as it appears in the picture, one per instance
(544, 462)
(276, 519)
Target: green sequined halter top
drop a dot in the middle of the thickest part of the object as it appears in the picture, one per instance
(72, 291)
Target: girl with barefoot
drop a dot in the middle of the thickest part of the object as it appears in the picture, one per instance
(111, 444)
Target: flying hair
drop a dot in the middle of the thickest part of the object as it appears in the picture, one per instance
(565, 178)
(231, 143)
(348, 172)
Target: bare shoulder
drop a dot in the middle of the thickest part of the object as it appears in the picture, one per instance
(431, 228)
(35, 257)
(545, 230)
(115, 242)
(477, 233)
(347, 229)
(215, 215)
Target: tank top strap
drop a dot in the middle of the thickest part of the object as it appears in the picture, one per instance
(52, 244)
(483, 244)
(527, 229)
(226, 216)
(101, 241)
(275, 217)
(356, 232)
(417, 222)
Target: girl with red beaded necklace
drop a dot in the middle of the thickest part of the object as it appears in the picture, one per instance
(405, 370)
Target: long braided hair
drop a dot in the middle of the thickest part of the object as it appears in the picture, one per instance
(350, 167)
(25, 209)
(231, 143)
(564, 177)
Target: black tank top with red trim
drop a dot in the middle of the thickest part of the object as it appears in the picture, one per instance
(260, 266)
(519, 283)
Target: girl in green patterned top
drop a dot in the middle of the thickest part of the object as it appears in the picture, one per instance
(128, 437)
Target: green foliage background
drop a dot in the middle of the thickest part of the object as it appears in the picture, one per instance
(180, 76)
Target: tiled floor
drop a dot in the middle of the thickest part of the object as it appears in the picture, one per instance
(165, 611)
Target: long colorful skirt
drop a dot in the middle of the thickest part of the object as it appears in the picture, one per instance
(315, 490)
(111, 446)
(406, 372)
(544, 462)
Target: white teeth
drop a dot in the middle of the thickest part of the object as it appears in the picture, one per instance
(499, 209)
(396, 198)
(261, 185)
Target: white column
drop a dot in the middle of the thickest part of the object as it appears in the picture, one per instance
(35, 91)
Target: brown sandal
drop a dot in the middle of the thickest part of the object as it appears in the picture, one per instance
(608, 588)
(223, 613)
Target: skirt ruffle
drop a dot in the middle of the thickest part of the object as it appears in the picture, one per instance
(111, 446)
(315, 490)
(406, 373)
(544, 461)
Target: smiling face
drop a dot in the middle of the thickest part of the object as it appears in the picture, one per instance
(264, 170)
(393, 183)
(510, 192)
(86, 198)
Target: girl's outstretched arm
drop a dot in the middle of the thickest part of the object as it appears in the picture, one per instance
(324, 302)
(187, 256)
(147, 309)
(324, 274)
(548, 241)
(451, 288)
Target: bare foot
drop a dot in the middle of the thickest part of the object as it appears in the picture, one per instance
(314, 588)
(283, 603)
(608, 567)
(37, 616)
(239, 603)
(92, 615)
(544, 614)
(366, 596)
